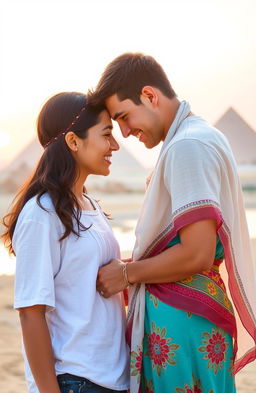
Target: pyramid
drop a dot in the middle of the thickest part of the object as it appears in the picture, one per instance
(240, 135)
(125, 169)
(26, 158)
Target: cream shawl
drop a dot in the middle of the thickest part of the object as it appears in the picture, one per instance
(196, 170)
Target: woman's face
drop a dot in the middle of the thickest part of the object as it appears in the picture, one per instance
(94, 153)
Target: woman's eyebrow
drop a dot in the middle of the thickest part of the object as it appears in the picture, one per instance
(109, 127)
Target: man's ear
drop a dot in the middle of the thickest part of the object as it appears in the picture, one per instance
(71, 141)
(149, 94)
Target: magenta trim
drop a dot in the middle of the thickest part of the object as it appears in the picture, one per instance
(237, 296)
(249, 357)
(205, 210)
(197, 211)
(185, 218)
(187, 299)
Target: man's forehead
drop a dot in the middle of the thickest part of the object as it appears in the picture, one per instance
(115, 106)
(114, 101)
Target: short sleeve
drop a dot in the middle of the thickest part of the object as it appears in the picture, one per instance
(192, 173)
(37, 250)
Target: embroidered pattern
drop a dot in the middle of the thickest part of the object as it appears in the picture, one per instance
(209, 283)
(214, 275)
(202, 203)
(188, 280)
(211, 289)
(227, 302)
(149, 387)
(186, 332)
(214, 349)
(136, 363)
(160, 349)
(154, 300)
(194, 387)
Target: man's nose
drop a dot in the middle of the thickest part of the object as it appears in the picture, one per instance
(125, 131)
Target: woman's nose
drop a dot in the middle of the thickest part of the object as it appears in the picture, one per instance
(114, 144)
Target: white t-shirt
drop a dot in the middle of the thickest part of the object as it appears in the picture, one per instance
(87, 331)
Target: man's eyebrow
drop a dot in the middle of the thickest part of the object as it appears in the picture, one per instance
(117, 114)
(110, 127)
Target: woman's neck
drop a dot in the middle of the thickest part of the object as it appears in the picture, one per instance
(78, 190)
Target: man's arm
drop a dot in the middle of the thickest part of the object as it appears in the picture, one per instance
(194, 254)
(38, 348)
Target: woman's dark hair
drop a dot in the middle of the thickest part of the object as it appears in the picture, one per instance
(56, 171)
(126, 76)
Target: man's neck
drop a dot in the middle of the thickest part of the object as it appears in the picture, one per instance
(170, 108)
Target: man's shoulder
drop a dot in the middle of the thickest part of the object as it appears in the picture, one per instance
(196, 129)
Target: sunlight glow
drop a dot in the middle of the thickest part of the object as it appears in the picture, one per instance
(207, 49)
(4, 139)
(7, 263)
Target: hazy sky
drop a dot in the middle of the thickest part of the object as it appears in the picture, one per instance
(207, 48)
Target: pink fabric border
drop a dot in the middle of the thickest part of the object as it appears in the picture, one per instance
(196, 213)
(238, 297)
(189, 214)
(195, 302)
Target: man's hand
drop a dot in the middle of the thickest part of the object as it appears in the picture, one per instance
(110, 278)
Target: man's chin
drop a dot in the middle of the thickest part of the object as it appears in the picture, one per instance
(149, 145)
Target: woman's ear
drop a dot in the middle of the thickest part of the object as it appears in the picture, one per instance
(149, 94)
(71, 141)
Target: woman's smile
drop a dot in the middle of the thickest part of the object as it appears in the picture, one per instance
(107, 158)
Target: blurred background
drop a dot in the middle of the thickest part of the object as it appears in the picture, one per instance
(208, 50)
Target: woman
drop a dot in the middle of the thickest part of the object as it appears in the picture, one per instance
(73, 336)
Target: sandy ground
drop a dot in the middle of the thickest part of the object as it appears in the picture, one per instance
(11, 362)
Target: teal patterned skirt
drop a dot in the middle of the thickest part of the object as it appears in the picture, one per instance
(184, 352)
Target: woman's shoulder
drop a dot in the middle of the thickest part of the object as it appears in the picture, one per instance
(37, 223)
(39, 209)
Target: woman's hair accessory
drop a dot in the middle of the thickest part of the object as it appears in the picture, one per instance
(67, 129)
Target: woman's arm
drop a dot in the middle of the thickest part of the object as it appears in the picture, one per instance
(194, 254)
(38, 348)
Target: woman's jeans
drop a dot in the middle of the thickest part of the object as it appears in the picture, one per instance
(72, 384)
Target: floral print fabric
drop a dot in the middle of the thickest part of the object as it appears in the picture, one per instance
(182, 353)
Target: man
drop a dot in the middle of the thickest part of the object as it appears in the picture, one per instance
(180, 320)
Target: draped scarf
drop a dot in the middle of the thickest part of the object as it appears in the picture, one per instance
(195, 178)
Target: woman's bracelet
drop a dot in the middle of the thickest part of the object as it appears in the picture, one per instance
(125, 275)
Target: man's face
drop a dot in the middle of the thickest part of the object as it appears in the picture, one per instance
(142, 121)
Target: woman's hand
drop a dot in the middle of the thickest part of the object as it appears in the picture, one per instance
(110, 278)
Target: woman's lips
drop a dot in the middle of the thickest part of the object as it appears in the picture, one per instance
(108, 159)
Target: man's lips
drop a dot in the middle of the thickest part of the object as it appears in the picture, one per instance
(138, 134)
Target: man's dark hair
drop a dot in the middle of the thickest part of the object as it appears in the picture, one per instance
(127, 75)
